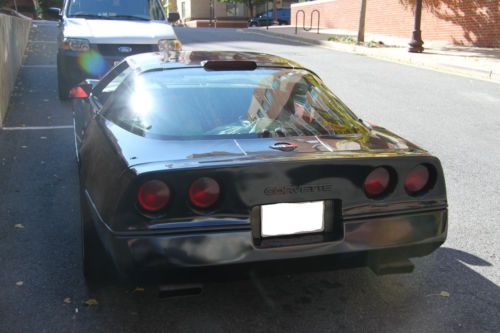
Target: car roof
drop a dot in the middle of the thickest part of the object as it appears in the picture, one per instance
(185, 59)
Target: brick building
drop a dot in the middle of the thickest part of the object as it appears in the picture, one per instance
(460, 22)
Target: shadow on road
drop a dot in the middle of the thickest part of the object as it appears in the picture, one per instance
(211, 36)
(445, 283)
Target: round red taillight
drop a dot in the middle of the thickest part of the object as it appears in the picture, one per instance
(204, 192)
(153, 195)
(377, 182)
(417, 180)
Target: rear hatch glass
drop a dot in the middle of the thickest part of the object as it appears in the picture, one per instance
(192, 103)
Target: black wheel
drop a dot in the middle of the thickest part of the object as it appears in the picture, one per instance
(97, 266)
(62, 86)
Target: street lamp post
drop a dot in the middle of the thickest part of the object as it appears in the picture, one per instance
(416, 44)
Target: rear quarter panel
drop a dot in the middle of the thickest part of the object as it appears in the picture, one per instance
(103, 173)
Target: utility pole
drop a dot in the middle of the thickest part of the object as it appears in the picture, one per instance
(416, 44)
(362, 18)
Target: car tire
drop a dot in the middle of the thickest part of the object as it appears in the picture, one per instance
(62, 86)
(97, 265)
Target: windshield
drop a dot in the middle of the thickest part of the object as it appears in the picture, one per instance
(116, 9)
(194, 103)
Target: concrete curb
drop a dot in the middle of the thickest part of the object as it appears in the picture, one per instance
(487, 75)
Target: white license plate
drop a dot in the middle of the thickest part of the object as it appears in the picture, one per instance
(292, 218)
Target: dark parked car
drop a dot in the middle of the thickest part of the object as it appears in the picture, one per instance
(207, 165)
(267, 18)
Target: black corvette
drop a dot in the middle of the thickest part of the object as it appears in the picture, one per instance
(213, 165)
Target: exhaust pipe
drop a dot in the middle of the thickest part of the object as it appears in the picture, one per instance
(392, 267)
(179, 290)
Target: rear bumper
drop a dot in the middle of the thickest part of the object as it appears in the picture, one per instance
(198, 256)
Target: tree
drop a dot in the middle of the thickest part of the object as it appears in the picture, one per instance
(50, 3)
(248, 3)
(41, 6)
(362, 18)
(170, 5)
(7, 4)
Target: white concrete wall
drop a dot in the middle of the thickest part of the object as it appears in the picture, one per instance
(14, 35)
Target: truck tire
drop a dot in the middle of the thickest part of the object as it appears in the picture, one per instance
(62, 86)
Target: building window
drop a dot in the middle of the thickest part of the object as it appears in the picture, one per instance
(231, 9)
(234, 9)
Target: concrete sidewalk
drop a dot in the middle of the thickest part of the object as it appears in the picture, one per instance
(477, 63)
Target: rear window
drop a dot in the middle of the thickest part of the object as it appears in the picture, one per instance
(195, 103)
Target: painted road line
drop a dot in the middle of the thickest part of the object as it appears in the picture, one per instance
(36, 128)
(39, 66)
(44, 41)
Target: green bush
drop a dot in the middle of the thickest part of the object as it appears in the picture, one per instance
(343, 39)
(50, 3)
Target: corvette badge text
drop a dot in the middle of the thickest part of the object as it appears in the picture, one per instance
(290, 189)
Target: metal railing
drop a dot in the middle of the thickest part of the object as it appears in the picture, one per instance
(304, 20)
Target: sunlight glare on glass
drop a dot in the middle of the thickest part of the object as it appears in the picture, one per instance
(141, 100)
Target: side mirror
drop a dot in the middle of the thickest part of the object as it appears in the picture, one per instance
(173, 17)
(92, 82)
(54, 13)
(82, 90)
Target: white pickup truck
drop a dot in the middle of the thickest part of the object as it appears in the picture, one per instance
(97, 34)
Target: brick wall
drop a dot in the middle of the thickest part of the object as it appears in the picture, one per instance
(462, 22)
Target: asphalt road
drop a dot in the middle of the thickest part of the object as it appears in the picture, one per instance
(456, 289)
